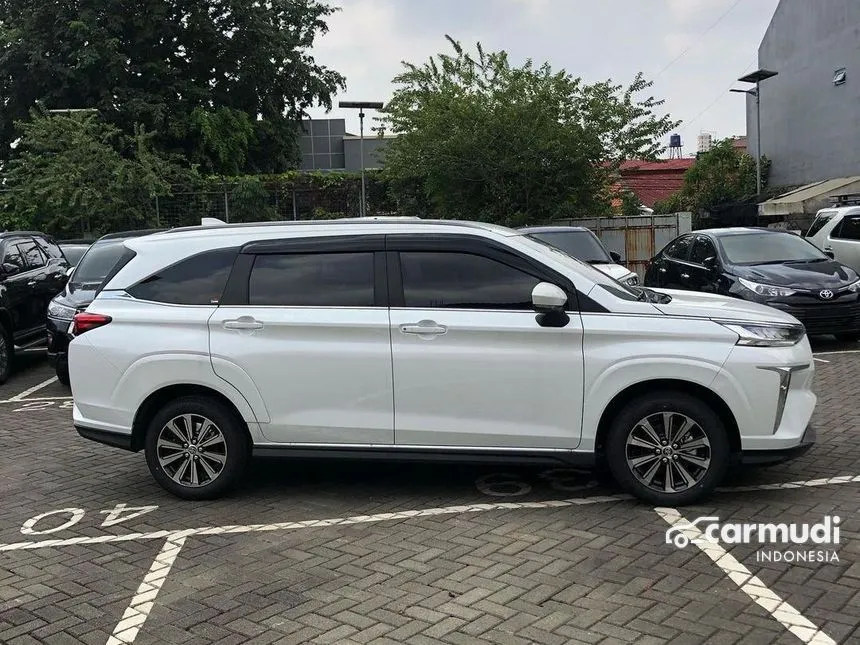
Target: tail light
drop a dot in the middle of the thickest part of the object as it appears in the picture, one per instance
(86, 321)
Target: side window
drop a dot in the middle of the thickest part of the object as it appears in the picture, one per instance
(438, 280)
(198, 280)
(32, 254)
(678, 249)
(312, 280)
(819, 223)
(13, 256)
(848, 229)
(51, 249)
(702, 248)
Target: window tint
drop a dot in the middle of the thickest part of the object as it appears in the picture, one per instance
(32, 254)
(678, 248)
(702, 248)
(198, 280)
(763, 248)
(51, 249)
(849, 229)
(434, 280)
(98, 261)
(312, 280)
(819, 223)
(13, 256)
(583, 245)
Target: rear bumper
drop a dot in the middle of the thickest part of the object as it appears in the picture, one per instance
(780, 455)
(113, 439)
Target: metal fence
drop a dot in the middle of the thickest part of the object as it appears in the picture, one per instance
(636, 239)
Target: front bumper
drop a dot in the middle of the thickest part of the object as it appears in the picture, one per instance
(780, 455)
(823, 318)
(58, 339)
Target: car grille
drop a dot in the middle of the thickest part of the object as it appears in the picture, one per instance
(828, 318)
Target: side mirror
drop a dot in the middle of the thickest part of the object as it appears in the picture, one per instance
(711, 264)
(7, 269)
(829, 253)
(548, 297)
(616, 257)
(70, 271)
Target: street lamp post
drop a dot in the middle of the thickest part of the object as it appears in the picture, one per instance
(362, 106)
(757, 77)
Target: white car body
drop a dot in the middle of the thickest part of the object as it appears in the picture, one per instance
(837, 231)
(429, 380)
(618, 272)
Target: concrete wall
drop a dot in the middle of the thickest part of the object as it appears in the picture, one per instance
(810, 128)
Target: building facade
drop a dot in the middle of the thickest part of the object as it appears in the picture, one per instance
(326, 145)
(810, 112)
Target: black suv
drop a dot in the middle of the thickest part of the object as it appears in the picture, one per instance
(32, 271)
(83, 282)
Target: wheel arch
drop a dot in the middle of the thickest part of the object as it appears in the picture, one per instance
(631, 392)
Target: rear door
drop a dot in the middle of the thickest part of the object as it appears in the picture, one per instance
(306, 320)
(844, 241)
(673, 270)
(40, 282)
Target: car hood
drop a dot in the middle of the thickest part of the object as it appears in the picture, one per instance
(708, 305)
(613, 270)
(814, 275)
(81, 296)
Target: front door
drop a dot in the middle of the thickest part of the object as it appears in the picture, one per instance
(312, 335)
(472, 366)
(23, 301)
(702, 278)
(844, 241)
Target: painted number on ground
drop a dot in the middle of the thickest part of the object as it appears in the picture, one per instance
(71, 516)
(43, 405)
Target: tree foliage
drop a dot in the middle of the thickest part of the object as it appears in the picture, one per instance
(480, 138)
(76, 175)
(722, 175)
(223, 82)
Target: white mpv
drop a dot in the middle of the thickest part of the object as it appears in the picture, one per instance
(426, 340)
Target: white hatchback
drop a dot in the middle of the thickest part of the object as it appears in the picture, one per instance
(426, 340)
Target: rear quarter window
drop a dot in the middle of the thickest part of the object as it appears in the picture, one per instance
(197, 280)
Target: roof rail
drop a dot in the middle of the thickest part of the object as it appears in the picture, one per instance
(852, 199)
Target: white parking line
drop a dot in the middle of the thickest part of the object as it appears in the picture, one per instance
(820, 360)
(144, 599)
(838, 351)
(751, 585)
(37, 398)
(30, 391)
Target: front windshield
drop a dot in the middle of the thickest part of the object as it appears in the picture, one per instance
(583, 245)
(768, 248)
(97, 262)
(616, 288)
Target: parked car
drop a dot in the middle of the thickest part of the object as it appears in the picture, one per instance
(768, 266)
(208, 345)
(32, 271)
(836, 231)
(584, 245)
(74, 250)
(83, 281)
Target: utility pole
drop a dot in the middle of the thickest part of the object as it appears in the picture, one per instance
(361, 105)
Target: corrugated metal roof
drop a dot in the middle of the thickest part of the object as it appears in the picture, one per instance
(813, 195)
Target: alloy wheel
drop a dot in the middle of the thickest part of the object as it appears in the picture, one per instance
(191, 450)
(668, 452)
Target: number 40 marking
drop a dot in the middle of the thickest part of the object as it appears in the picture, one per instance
(116, 515)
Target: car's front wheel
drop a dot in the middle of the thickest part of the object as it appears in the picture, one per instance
(196, 448)
(63, 370)
(668, 449)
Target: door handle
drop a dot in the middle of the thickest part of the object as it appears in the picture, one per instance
(242, 323)
(424, 328)
(662, 269)
(31, 283)
(686, 276)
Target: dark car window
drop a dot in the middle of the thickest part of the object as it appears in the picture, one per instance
(197, 280)
(436, 280)
(13, 256)
(702, 248)
(819, 223)
(312, 280)
(50, 248)
(74, 252)
(768, 248)
(679, 248)
(32, 254)
(583, 245)
(848, 229)
(97, 261)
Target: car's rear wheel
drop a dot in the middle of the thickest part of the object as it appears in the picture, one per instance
(668, 449)
(196, 448)
(7, 354)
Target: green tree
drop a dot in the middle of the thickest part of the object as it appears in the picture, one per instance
(721, 175)
(482, 139)
(77, 175)
(223, 82)
(630, 203)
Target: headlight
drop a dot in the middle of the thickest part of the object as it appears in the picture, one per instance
(633, 280)
(854, 287)
(766, 289)
(56, 310)
(765, 335)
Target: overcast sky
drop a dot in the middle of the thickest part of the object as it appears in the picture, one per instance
(692, 49)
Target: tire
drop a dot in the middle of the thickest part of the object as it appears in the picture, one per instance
(63, 371)
(695, 471)
(232, 450)
(7, 354)
(850, 337)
